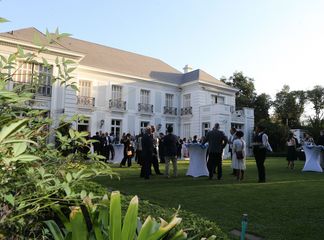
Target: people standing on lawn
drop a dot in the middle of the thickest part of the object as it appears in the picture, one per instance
(320, 140)
(147, 153)
(185, 151)
(96, 144)
(231, 139)
(128, 151)
(217, 140)
(138, 140)
(308, 140)
(170, 152)
(179, 148)
(291, 150)
(111, 150)
(195, 139)
(260, 147)
(155, 160)
(161, 148)
(239, 155)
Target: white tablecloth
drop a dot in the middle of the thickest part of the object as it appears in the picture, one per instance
(119, 152)
(313, 158)
(197, 163)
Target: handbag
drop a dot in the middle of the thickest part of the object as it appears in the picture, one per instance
(239, 154)
(129, 153)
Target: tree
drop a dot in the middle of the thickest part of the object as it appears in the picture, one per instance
(277, 134)
(289, 106)
(246, 94)
(262, 104)
(316, 97)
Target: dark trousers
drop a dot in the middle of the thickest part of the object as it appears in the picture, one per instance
(215, 161)
(128, 159)
(106, 152)
(155, 163)
(146, 168)
(138, 157)
(111, 151)
(260, 156)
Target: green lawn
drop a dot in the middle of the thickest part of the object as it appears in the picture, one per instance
(290, 205)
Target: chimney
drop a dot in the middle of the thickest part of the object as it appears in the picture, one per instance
(187, 69)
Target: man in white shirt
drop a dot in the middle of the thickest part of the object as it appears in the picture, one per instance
(260, 147)
(230, 145)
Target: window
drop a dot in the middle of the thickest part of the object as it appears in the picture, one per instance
(186, 100)
(145, 96)
(169, 100)
(205, 128)
(35, 73)
(116, 127)
(116, 92)
(85, 88)
(237, 126)
(27, 71)
(45, 74)
(24, 72)
(186, 130)
(144, 124)
(217, 99)
(83, 125)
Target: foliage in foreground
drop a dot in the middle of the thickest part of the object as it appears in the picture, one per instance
(104, 221)
(34, 174)
(195, 226)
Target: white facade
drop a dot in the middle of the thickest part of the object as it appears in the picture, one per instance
(120, 101)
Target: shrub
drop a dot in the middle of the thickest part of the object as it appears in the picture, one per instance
(195, 226)
(35, 175)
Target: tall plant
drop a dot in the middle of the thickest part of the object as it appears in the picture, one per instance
(104, 221)
(34, 174)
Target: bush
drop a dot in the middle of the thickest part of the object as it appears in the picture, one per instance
(194, 225)
(35, 175)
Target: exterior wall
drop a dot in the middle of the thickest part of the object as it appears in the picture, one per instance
(64, 101)
(131, 118)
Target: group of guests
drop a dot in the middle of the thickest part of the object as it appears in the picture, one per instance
(150, 146)
(149, 152)
(293, 144)
(104, 144)
(217, 140)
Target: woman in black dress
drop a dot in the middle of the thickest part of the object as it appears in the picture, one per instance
(291, 150)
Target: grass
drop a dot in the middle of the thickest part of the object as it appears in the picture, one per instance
(288, 206)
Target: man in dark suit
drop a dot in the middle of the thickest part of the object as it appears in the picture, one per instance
(96, 145)
(216, 142)
(147, 153)
(320, 140)
(170, 152)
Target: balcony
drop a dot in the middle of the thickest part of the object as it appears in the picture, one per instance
(145, 108)
(238, 116)
(186, 111)
(85, 102)
(117, 105)
(170, 110)
(42, 89)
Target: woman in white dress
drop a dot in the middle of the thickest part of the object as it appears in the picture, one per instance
(239, 155)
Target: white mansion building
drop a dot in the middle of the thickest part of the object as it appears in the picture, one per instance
(120, 91)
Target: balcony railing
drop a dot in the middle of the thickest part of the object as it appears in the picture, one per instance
(117, 105)
(145, 108)
(84, 101)
(170, 110)
(186, 111)
(38, 89)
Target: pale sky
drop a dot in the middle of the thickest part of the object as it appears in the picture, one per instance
(276, 42)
